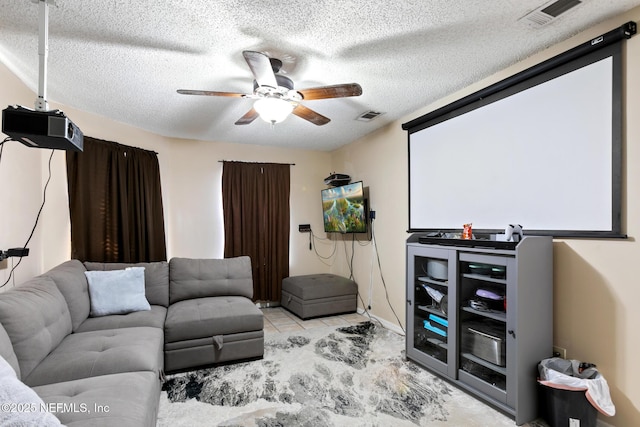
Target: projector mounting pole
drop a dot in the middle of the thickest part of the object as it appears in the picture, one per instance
(43, 52)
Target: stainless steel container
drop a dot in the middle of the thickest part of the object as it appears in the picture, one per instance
(488, 346)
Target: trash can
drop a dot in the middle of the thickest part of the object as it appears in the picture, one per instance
(571, 393)
(561, 408)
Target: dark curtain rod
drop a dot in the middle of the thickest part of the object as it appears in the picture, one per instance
(238, 161)
(87, 137)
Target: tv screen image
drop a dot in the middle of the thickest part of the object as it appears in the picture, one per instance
(343, 209)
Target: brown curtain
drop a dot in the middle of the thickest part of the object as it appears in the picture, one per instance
(255, 200)
(115, 203)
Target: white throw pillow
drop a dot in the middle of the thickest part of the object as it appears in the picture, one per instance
(20, 405)
(117, 291)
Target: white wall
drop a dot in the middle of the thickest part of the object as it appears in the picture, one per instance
(596, 294)
(191, 184)
(195, 225)
(21, 183)
(380, 161)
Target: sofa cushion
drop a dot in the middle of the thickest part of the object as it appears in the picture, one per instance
(72, 283)
(118, 400)
(154, 318)
(207, 317)
(36, 318)
(156, 278)
(90, 354)
(117, 291)
(6, 351)
(197, 278)
(19, 404)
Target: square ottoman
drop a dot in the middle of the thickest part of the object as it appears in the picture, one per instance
(317, 295)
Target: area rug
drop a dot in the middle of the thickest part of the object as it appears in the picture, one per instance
(349, 376)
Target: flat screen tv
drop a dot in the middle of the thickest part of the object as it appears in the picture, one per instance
(344, 210)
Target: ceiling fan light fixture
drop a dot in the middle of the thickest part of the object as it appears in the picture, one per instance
(273, 110)
(275, 98)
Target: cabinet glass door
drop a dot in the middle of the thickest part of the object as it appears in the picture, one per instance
(430, 307)
(482, 305)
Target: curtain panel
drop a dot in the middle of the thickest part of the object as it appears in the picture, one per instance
(255, 200)
(115, 203)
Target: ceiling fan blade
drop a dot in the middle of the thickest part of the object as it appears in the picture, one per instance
(310, 115)
(334, 91)
(248, 118)
(210, 93)
(261, 68)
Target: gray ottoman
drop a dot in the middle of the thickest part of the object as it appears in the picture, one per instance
(317, 295)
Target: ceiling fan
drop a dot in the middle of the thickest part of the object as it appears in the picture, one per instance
(275, 96)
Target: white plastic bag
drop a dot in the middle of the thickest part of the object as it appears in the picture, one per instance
(566, 374)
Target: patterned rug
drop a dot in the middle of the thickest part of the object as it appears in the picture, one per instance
(349, 376)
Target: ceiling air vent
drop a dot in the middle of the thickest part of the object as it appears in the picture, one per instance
(549, 12)
(368, 116)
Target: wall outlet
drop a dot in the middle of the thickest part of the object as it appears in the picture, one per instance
(304, 228)
(560, 352)
(574, 422)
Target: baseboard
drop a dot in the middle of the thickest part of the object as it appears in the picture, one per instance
(267, 304)
(385, 323)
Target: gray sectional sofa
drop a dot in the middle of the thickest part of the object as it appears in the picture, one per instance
(96, 369)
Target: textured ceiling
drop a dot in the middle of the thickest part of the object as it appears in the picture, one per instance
(125, 59)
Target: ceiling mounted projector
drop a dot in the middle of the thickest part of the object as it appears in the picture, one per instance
(42, 129)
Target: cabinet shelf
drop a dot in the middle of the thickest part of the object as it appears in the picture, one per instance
(500, 316)
(437, 342)
(432, 310)
(427, 279)
(499, 369)
(485, 278)
(524, 278)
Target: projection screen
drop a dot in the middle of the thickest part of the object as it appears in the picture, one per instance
(544, 153)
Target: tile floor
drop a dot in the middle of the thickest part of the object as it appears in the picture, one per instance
(278, 319)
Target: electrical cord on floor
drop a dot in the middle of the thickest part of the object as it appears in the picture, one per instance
(322, 258)
(371, 277)
(44, 199)
(346, 256)
(365, 243)
(371, 318)
(350, 264)
(350, 260)
(7, 139)
(384, 284)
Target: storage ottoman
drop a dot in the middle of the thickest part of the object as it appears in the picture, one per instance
(211, 318)
(317, 295)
